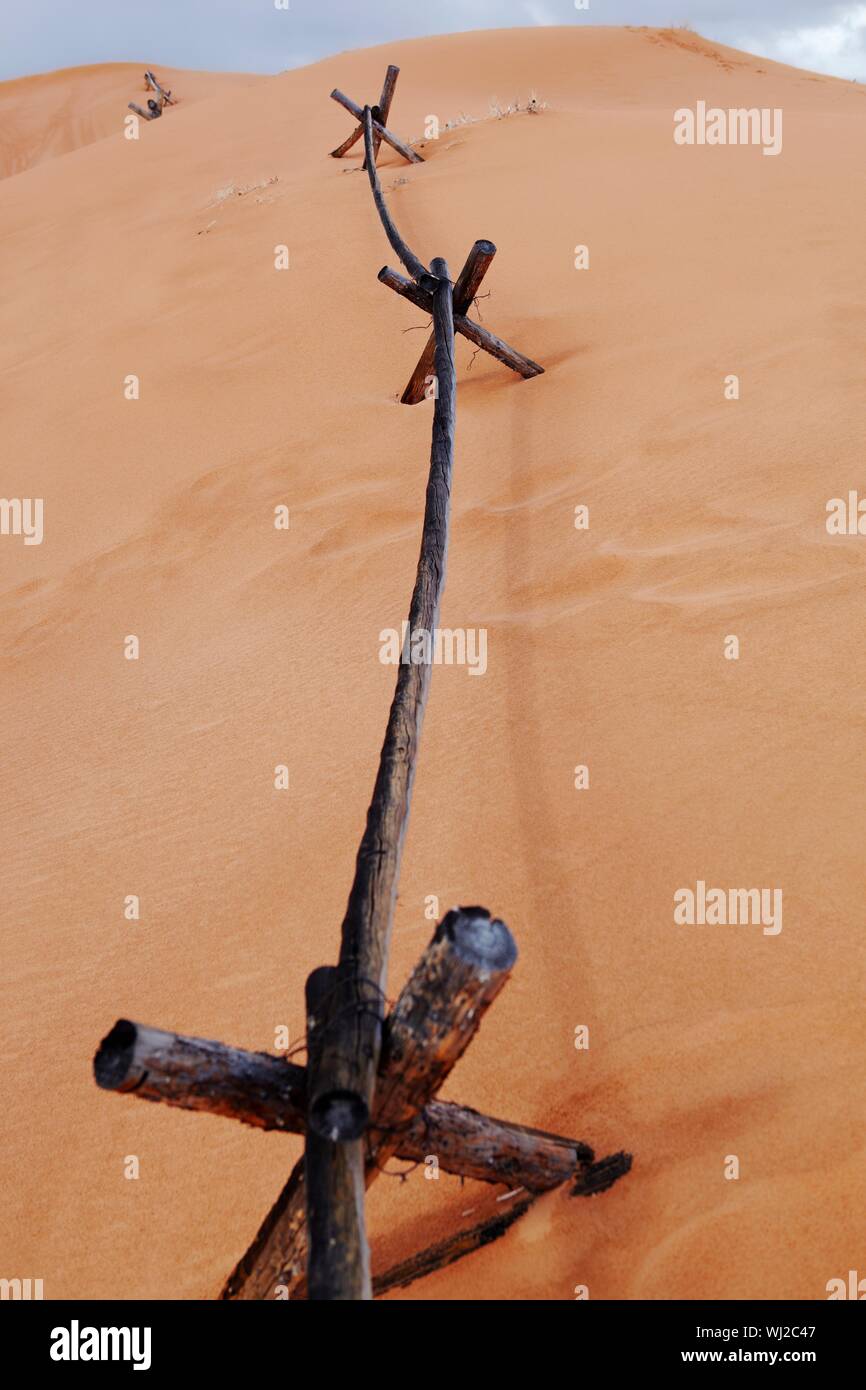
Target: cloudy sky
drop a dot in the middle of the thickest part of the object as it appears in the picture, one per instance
(255, 36)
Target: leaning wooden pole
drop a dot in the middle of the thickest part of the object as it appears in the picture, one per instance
(350, 1052)
(399, 246)
(269, 1093)
(341, 1101)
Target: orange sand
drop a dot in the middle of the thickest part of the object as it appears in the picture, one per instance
(260, 647)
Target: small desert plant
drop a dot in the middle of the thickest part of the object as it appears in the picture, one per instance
(532, 106)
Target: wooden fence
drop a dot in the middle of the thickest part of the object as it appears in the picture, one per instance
(368, 1090)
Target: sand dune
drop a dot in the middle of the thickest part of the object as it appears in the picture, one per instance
(156, 258)
(55, 112)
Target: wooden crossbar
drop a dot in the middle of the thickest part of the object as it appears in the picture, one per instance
(415, 267)
(270, 1093)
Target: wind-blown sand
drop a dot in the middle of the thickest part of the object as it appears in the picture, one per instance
(605, 647)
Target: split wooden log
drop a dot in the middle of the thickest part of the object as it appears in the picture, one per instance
(465, 289)
(481, 337)
(381, 130)
(339, 1257)
(436, 1016)
(341, 1099)
(139, 111)
(269, 1093)
(404, 252)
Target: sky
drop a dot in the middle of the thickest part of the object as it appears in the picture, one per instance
(270, 35)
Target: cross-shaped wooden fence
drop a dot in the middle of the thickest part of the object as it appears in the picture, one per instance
(164, 98)
(368, 1090)
(380, 118)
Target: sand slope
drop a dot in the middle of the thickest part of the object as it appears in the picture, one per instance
(606, 648)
